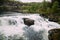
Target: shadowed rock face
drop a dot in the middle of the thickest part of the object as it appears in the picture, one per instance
(28, 21)
(54, 34)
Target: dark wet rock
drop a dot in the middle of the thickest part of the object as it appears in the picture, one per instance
(53, 19)
(54, 34)
(28, 21)
(44, 15)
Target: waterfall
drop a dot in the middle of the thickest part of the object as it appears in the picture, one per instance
(13, 27)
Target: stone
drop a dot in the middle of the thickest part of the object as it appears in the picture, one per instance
(53, 19)
(54, 34)
(28, 21)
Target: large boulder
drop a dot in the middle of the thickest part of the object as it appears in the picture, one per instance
(54, 34)
(28, 21)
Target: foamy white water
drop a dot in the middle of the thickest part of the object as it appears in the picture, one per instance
(14, 25)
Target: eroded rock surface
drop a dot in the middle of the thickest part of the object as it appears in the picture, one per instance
(54, 34)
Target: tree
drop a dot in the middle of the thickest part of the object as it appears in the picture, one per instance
(44, 6)
(55, 7)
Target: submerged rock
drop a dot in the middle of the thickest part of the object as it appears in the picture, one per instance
(28, 21)
(54, 34)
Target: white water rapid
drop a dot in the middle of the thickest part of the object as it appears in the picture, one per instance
(17, 30)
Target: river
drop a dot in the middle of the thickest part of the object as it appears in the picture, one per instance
(17, 30)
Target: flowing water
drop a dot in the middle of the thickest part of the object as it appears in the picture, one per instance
(12, 27)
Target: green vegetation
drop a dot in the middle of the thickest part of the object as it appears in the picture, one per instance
(48, 9)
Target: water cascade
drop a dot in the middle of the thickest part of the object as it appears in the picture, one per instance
(13, 27)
